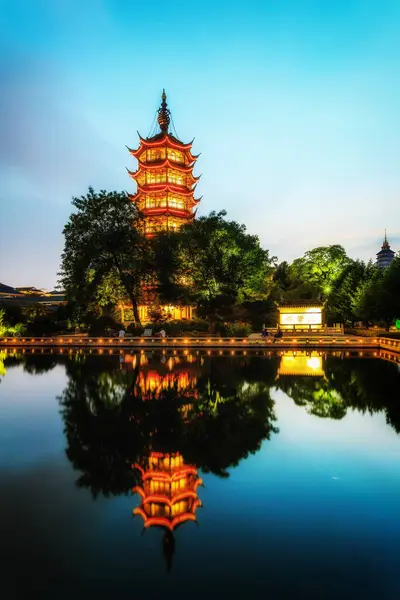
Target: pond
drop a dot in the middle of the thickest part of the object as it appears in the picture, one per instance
(198, 475)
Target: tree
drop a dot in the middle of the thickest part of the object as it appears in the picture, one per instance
(7, 329)
(321, 268)
(106, 257)
(390, 292)
(220, 265)
(34, 311)
(344, 301)
(370, 302)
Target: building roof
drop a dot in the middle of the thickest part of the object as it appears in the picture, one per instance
(386, 252)
(300, 304)
(6, 289)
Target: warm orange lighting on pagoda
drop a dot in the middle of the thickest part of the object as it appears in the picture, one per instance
(164, 178)
(168, 491)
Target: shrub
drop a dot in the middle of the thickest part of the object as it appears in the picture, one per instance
(104, 325)
(238, 329)
(179, 328)
(135, 330)
(6, 329)
(42, 326)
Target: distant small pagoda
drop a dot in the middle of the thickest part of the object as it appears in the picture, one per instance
(385, 256)
(164, 178)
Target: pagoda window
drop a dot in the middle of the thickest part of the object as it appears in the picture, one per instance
(175, 155)
(156, 201)
(158, 177)
(176, 203)
(176, 177)
(154, 155)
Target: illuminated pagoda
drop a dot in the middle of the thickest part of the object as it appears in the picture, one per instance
(164, 178)
(385, 256)
(168, 491)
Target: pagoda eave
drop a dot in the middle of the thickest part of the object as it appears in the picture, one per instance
(153, 188)
(146, 166)
(162, 139)
(163, 499)
(162, 476)
(163, 521)
(168, 212)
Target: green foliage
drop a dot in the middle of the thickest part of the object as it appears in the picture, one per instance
(12, 313)
(180, 328)
(344, 303)
(106, 258)
(238, 329)
(34, 311)
(219, 265)
(103, 325)
(212, 264)
(320, 268)
(6, 329)
(3, 325)
(42, 325)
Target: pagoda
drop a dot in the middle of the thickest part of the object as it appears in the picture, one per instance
(164, 178)
(385, 256)
(168, 490)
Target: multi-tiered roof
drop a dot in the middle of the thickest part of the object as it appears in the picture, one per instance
(168, 490)
(165, 180)
(385, 256)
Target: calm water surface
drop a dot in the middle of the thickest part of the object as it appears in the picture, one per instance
(193, 476)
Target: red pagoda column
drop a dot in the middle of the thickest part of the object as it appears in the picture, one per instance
(164, 178)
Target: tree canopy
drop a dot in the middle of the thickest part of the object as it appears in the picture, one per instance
(213, 264)
(106, 257)
(219, 264)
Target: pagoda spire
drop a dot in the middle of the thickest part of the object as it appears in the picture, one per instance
(385, 245)
(164, 114)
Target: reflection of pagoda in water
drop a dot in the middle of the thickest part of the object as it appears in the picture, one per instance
(168, 491)
(178, 373)
(302, 364)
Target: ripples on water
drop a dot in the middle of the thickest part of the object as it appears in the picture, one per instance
(189, 475)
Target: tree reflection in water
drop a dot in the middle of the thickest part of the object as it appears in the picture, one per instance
(166, 418)
(116, 414)
(150, 422)
(366, 384)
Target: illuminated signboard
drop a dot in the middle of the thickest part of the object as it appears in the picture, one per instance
(306, 318)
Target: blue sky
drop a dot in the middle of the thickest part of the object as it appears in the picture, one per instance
(293, 104)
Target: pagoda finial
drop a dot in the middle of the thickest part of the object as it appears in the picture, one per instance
(164, 113)
(385, 241)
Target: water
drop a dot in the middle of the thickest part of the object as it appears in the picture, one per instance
(288, 469)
